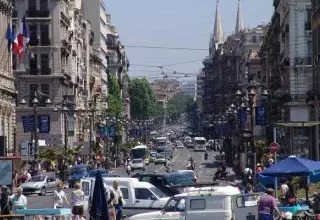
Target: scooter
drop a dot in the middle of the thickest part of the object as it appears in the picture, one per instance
(191, 166)
(221, 175)
(128, 170)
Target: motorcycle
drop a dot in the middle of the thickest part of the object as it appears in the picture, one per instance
(128, 169)
(221, 175)
(191, 166)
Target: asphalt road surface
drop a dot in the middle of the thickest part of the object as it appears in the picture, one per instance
(204, 169)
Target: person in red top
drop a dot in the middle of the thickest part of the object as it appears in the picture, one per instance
(267, 206)
(259, 168)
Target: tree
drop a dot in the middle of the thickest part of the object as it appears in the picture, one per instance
(180, 104)
(115, 101)
(142, 98)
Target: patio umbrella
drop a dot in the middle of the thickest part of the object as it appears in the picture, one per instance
(99, 206)
(293, 166)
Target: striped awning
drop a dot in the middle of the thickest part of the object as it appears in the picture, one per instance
(298, 124)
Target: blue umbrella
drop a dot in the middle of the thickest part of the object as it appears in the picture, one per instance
(293, 166)
(99, 206)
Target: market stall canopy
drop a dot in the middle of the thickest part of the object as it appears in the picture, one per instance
(293, 166)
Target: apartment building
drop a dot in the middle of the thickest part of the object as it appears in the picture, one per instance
(95, 11)
(189, 88)
(7, 89)
(61, 41)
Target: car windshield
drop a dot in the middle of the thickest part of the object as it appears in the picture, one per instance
(160, 157)
(179, 143)
(158, 193)
(178, 179)
(94, 172)
(78, 170)
(137, 161)
(189, 174)
(37, 179)
(201, 142)
(153, 154)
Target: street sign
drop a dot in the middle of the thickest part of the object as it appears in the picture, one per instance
(274, 147)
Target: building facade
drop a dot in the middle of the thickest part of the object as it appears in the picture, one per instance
(61, 42)
(189, 88)
(199, 91)
(286, 54)
(7, 88)
(95, 11)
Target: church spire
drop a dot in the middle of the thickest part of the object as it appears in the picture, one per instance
(217, 30)
(239, 22)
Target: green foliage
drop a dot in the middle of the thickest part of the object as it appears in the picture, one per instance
(143, 100)
(114, 99)
(180, 104)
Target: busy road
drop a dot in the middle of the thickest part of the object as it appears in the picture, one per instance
(205, 170)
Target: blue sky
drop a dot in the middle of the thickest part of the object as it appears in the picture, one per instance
(177, 23)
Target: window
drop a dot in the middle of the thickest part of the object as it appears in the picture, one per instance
(33, 65)
(110, 40)
(32, 5)
(14, 62)
(175, 204)
(197, 204)
(43, 5)
(143, 194)
(44, 64)
(44, 33)
(44, 89)
(125, 193)
(33, 35)
(86, 188)
(32, 89)
(13, 3)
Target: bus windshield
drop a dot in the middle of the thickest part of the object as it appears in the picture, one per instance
(201, 142)
(138, 153)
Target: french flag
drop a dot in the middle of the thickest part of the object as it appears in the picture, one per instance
(22, 38)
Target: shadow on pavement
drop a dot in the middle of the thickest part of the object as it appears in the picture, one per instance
(211, 164)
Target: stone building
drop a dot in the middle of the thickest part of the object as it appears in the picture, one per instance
(61, 41)
(286, 54)
(7, 88)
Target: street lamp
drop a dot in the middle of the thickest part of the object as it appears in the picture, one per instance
(35, 103)
(64, 109)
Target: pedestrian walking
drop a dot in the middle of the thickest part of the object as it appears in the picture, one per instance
(268, 206)
(18, 201)
(4, 201)
(118, 201)
(77, 202)
(59, 197)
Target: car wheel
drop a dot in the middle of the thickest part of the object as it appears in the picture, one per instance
(43, 191)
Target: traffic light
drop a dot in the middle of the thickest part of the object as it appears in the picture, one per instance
(31, 149)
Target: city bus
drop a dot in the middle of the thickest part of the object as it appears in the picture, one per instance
(199, 144)
(141, 152)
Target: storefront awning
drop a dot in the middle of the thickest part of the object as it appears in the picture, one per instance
(298, 124)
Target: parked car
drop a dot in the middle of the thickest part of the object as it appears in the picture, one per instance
(40, 185)
(160, 159)
(137, 164)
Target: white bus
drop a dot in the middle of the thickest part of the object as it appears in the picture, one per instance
(199, 144)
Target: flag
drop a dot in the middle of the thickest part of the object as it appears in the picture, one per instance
(22, 38)
(9, 37)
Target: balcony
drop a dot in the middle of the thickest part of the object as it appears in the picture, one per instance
(38, 14)
(303, 61)
(32, 71)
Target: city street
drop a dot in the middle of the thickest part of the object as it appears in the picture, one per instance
(204, 170)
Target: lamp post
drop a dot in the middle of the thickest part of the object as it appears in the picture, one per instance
(35, 104)
(65, 110)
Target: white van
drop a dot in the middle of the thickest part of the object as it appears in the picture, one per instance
(199, 144)
(136, 194)
(221, 203)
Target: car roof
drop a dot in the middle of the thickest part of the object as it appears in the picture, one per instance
(199, 138)
(140, 146)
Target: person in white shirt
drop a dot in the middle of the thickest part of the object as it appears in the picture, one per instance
(77, 201)
(118, 200)
(59, 197)
(18, 201)
(28, 176)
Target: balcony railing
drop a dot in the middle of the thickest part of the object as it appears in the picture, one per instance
(38, 14)
(45, 70)
(33, 71)
(34, 42)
